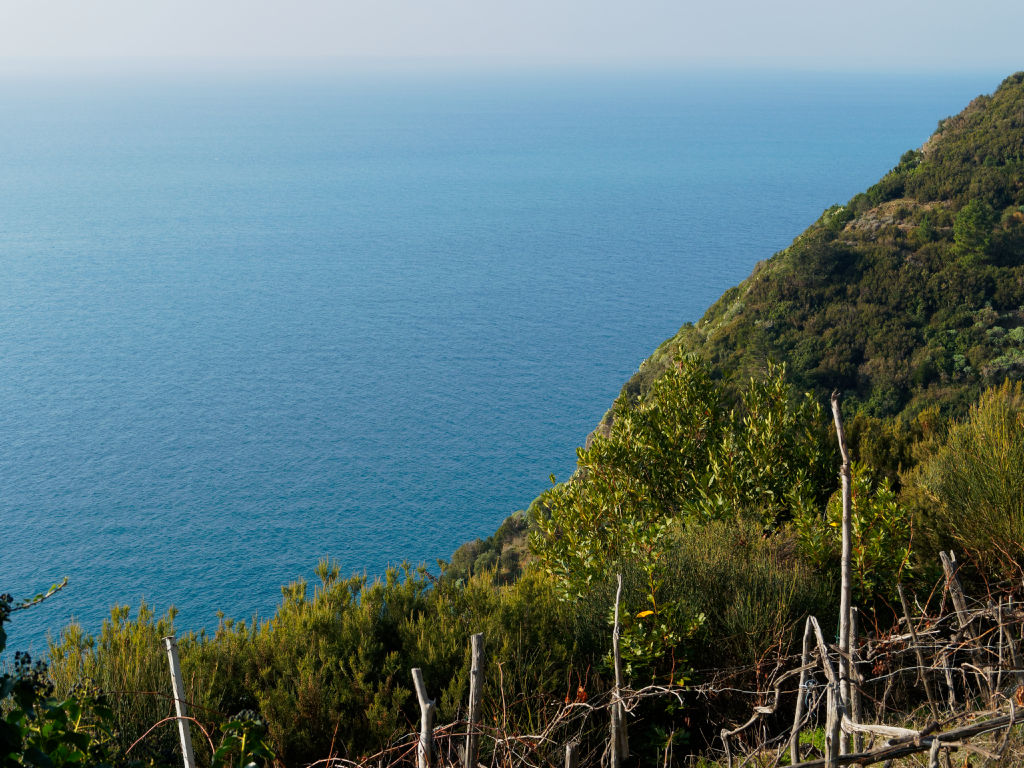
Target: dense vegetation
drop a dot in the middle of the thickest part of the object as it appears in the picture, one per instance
(910, 295)
(711, 487)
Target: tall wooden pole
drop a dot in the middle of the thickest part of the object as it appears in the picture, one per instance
(180, 710)
(620, 742)
(845, 579)
(475, 684)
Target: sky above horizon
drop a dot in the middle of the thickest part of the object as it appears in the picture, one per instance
(941, 35)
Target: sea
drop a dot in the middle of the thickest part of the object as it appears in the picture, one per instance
(249, 320)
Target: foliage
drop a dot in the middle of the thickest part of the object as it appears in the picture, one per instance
(907, 297)
(881, 536)
(975, 481)
(770, 462)
(38, 729)
(502, 553)
(752, 588)
(677, 457)
(243, 743)
(141, 669)
(972, 231)
(329, 672)
(631, 483)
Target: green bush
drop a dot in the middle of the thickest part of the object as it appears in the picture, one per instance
(331, 669)
(676, 460)
(753, 589)
(881, 537)
(975, 482)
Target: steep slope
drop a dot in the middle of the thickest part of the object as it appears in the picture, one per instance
(909, 295)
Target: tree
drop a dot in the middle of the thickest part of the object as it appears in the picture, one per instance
(972, 231)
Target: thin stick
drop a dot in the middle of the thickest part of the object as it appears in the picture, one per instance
(158, 723)
(955, 590)
(833, 736)
(570, 754)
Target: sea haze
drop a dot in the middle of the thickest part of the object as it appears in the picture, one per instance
(249, 322)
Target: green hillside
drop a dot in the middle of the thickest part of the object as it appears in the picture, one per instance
(909, 295)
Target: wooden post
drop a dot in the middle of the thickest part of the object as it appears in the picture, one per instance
(922, 674)
(179, 702)
(833, 734)
(948, 675)
(950, 567)
(855, 713)
(845, 578)
(1011, 644)
(475, 684)
(955, 590)
(425, 749)
(835, 717)
(620, 741)
(571, 750)
(805, 660)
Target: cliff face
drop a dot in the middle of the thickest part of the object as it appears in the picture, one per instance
(909, 295)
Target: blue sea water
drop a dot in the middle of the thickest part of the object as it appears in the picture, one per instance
(249, 321)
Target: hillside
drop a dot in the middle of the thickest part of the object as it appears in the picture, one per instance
(909, 295)
(909, 298)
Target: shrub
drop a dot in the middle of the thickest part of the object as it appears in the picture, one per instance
(753, 589)
(975, 482)
(676, 460)
(881, 537)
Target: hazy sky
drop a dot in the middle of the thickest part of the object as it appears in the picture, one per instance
(866, 34)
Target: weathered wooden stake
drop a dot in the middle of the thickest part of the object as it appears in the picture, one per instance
(948, 676)
(620, 741)
(950, 567)
(845, 578)
(805, 660)
(179, 702)
(855, 713)
(1001, 657)
(425, 749)
(571, 750)
(833, 735)
(955, 590)
(922, 674)
(1012, 645)
(475, 684)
